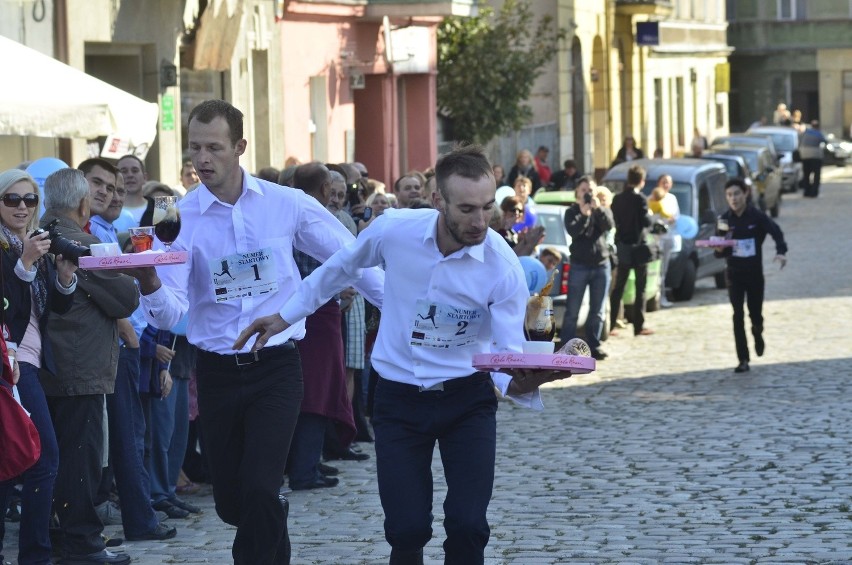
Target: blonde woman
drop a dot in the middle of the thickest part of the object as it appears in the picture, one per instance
(524, 167)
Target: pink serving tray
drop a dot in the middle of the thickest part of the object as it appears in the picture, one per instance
(495, 361)
(134, 260)
(714, 243)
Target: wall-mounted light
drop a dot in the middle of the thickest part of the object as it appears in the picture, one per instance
(168, 75)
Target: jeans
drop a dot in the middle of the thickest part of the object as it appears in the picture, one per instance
(812, 169)
(462, 419)
(597, 279)
(748, 287)
(78, 422)
(247, 415)
(37, 495)
(126, 445)
(306, 449)
(169, 431)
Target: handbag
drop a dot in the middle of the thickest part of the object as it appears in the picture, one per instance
(19, 440)
(642, 253)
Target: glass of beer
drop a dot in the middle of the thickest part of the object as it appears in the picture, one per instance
(539, 324)
(166, 219)
(142, 238)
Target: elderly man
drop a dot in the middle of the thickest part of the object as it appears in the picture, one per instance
(85, 347)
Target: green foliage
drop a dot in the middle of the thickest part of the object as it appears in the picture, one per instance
(487, 65)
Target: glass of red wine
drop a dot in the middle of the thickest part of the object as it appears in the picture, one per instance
(166, 220)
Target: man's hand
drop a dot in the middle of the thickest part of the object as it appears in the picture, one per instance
(165, 382)
(164, 354)
(65, 270)
(526, 380)
(781, 259)
(265, 328)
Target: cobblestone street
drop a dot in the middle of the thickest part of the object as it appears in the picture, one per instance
(663, 455)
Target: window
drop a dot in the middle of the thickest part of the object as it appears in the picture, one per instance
(792, 10)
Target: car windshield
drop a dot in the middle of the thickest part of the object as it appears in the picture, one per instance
(731, 166)
(554, 230)
(783, 142)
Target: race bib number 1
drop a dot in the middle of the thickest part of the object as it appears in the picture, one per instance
(244, 274)
(444, 326)
(744, 248)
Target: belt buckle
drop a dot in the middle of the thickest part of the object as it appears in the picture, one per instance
(433, 388)
(254, 354)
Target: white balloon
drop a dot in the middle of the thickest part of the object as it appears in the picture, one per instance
(503, 192)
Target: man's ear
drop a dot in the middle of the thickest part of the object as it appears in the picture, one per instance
(240, 147)
(437, 201)
(84, 209)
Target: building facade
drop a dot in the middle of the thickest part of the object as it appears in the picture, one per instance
(795, 52)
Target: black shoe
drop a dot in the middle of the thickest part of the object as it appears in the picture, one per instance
(759, 345)
(101, 557)
(170, 509)
(599, 354)
(742, 367)
(161, 532)
(184, 505)
(327, 470)
(112, 542)
(319, 482)
(349, 455)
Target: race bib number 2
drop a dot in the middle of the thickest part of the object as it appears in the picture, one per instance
(242, 275)
(444, 326)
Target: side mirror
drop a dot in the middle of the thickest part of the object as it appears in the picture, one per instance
(708, 217)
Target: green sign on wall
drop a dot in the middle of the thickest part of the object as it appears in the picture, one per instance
(167, 118)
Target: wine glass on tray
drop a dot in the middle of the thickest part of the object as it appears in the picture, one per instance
(166, 220)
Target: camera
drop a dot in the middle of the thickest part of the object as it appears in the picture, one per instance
(587, 198)
(352, 196)
(60, 245)
(659, 227)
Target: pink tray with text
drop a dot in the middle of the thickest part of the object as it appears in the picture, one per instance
(714, 243)
(494, 361)
(125, 260)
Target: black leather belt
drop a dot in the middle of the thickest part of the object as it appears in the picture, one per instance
(450, 384)
(243, 359)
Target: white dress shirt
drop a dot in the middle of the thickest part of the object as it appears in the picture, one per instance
(440, 310)
(267, 221)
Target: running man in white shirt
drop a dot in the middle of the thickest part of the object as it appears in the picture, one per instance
(248, 401)
(454, 288)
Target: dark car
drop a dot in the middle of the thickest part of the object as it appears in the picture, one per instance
(699, 186)
(836, 151)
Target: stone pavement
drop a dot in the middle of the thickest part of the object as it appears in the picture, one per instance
(663, 455)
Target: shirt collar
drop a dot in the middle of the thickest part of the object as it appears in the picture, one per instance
(102, 223)
(431, 234)
(207, 198)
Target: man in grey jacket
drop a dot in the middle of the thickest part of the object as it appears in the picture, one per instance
(85, 347)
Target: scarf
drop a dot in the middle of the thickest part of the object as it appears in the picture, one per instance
(40, 281)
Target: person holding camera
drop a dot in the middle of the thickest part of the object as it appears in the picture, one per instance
(34, 284)
(588, 223)
(85, 347)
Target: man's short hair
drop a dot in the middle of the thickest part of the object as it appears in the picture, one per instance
(89, 164)
(269, 174)
(738, 182)
(336, 176)
(466, 161)
(209, 110)
(285, 177)
(135, 158)
(543, 148)
(569, 163)
(64, 189)
(635, 176)
(310, 177)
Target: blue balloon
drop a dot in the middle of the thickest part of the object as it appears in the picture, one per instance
(535, 273)
(180, 327)
(686, 226)
(42, 168)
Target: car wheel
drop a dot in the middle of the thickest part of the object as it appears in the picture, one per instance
(687, 284)
(721, 280)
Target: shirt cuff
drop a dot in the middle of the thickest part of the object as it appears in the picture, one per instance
(66, 290)
(23, 274)
(527, 400)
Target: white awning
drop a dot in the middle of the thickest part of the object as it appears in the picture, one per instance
(44, 97)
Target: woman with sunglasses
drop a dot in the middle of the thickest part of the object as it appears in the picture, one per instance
(34, 284)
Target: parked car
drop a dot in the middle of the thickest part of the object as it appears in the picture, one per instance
(786, 141)
(836, 151)
(699, 186)
(766, 179)
(735, 165)
(747, 139)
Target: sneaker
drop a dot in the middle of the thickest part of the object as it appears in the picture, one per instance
(109, 513)
(742, 367)
(759, 345)
(101, 557)
(159, 533)
(170, 509)
(191, 508)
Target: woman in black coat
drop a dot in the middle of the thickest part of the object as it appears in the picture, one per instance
(34, 285)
